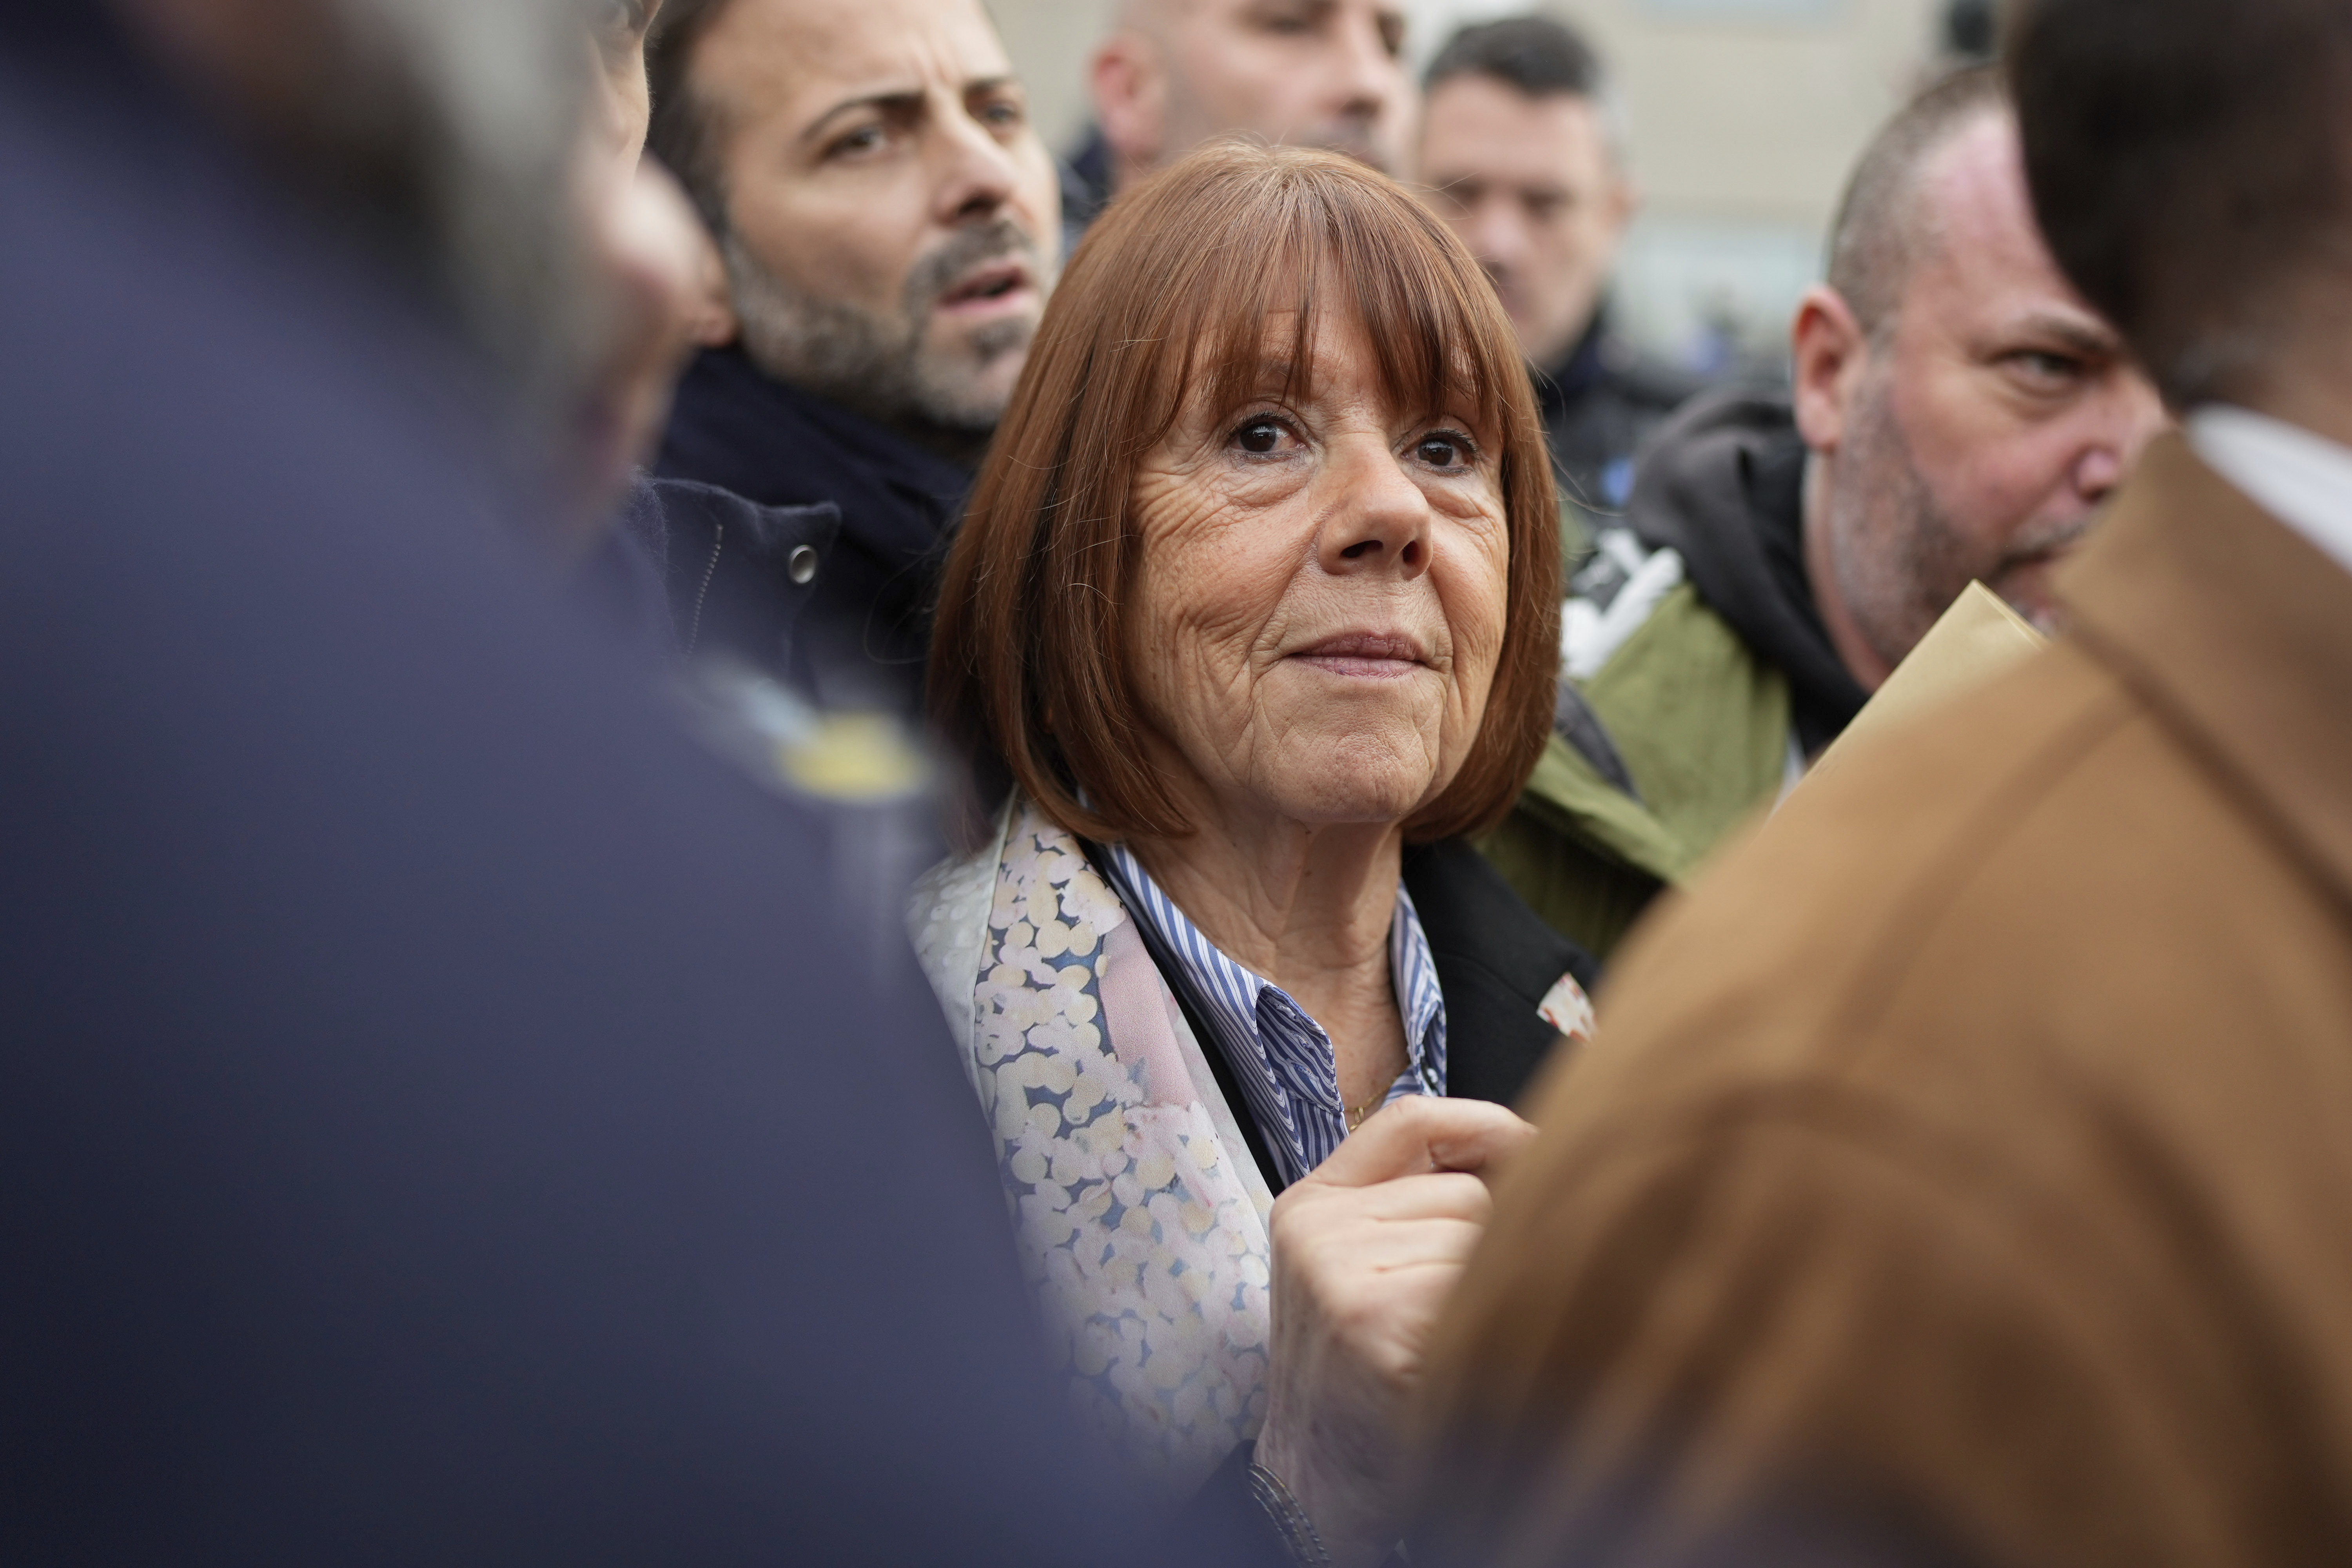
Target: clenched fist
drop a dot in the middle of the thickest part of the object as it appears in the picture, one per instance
(1366, 1250)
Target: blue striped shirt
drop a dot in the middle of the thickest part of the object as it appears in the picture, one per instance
(1281, 1057)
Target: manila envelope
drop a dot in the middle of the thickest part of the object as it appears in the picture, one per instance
(1978, 638)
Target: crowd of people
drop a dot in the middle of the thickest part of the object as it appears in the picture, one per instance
(662, 672)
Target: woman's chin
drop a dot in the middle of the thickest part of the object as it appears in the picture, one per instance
(1335, 791)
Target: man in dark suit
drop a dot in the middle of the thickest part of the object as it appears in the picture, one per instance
(441, 1120)
(1969, 1158)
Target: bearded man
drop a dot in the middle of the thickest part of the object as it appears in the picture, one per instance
(888, 219)
(1958, 413)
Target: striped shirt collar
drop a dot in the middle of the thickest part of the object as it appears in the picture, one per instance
(1281, 1057)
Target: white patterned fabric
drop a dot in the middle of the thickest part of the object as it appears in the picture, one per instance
(1139, 1217)
(1281, 1058)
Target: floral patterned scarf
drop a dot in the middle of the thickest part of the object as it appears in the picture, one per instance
(1139, 1216)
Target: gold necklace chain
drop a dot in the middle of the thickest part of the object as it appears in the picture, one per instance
(1357, 1114)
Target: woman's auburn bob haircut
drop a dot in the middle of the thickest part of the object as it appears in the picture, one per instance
(1168, 299)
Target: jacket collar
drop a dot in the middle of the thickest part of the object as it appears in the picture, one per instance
(2238, 631)
(735, 426)
(1575, 372)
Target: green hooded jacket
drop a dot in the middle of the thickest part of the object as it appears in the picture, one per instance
(1693, 642)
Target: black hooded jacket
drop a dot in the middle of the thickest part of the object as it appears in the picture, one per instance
(1723, 485)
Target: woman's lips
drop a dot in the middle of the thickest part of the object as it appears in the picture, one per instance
(1365, 655)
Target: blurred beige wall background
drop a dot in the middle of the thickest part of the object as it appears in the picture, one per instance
(1743, 117)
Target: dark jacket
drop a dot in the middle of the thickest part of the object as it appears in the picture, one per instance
(728, 576)
(425, 1114)
(863, 632)
(1599, 404)
(1700, 673)
(1085, 178)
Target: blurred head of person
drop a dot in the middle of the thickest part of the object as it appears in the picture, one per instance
(657, 259)
(2198, 188)
(1266, 545)
(473, 151)
(1307, 73)
(1521, 156)
(887, 217)
(1968, 411)
(447, 134)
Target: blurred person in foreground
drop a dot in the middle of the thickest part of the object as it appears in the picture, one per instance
(1970, 1157)
(888, 223)
(412, 1147)
(1959, 412)
(1253, 619)
(1172, 74)
(1523, 159)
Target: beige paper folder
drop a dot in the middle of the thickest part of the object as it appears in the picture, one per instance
(1978, 638)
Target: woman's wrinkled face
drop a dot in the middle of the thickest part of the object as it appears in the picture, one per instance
(1321, 592)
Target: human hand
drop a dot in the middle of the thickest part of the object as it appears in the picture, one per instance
(1366, 1250)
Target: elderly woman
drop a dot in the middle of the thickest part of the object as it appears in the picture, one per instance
(1252, 619)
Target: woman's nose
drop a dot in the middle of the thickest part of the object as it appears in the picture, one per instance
(1380, 519)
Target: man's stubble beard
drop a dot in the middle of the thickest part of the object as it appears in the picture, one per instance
(877, 363)
(1900, 562)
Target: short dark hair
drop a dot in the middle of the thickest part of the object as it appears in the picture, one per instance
(1540, 55)
(1879, 232)
(684, 126)
(2188, 164)
(1971, 30)
(1170, 297)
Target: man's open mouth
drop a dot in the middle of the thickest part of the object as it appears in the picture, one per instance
(984, 284)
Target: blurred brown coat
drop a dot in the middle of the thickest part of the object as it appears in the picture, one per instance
(1979, 1136)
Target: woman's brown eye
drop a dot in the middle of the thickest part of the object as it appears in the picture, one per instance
(1441, 451)
(1259, 436)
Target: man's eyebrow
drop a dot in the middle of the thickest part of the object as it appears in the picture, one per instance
(2083, 335)
(899, 101)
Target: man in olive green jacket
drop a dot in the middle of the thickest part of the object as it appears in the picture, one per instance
(1958, 413)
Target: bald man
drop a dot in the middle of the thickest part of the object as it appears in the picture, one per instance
(889, 221)
(1958, 413)
(1175, 73)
